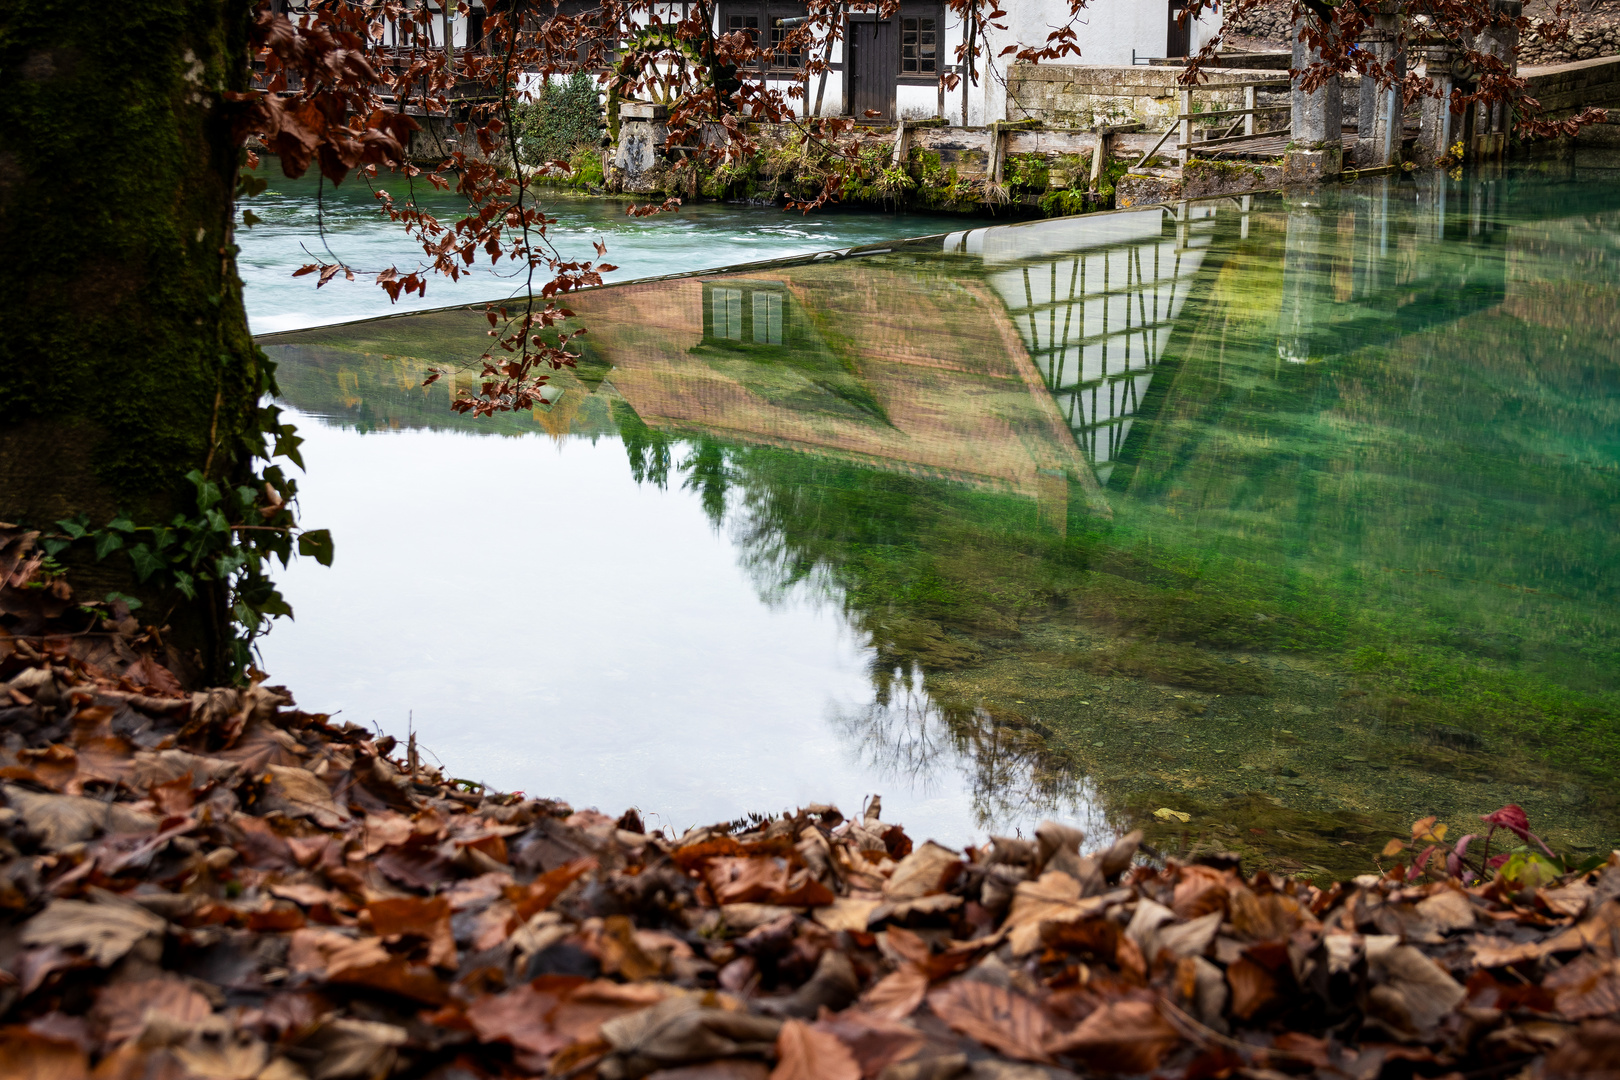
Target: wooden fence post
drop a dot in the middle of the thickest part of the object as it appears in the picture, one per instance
(1186, 125)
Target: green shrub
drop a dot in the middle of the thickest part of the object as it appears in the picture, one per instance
(562, 118)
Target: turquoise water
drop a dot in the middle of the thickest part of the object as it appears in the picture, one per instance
(1296, 515)
(306, 221)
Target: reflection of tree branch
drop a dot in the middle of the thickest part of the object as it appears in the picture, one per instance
(1010, 777)
(800, 532)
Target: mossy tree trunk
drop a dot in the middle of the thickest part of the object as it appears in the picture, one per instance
(125, 358)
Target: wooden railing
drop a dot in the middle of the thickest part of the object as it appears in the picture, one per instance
(1248, 117)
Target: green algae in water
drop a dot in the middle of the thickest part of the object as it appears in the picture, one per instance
(1299, 518)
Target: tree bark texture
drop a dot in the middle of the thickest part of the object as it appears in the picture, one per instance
(125, 358)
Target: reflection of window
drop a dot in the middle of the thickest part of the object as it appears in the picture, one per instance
(767, 318)
(748, 314)
(725, 306)
(919, 46)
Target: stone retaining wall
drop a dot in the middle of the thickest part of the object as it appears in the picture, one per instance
(1566, 88)
(1082, 96)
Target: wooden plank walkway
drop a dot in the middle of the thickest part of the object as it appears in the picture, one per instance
(1270, 145)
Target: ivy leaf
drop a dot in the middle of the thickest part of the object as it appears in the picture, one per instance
(122, 524)
(207, 490)
(275, 604)
(73, 528)
(129, 601)
(287, 442)
(317, 543)
(146, 562)
(107, 543)
(54, 547)
(185, 583)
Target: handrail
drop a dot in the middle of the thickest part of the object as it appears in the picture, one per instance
(1168, 132)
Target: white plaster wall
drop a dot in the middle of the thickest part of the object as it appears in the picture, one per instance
(917, 102)
(1107, 32)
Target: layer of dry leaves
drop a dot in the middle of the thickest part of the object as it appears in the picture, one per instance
(218, 885)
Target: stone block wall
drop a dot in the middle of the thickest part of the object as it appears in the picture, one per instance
(1568, 87)
(1081, 96)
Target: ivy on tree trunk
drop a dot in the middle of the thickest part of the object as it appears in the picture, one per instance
(125, 357)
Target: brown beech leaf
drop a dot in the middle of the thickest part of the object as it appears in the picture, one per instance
(763, 879)
(925, 871)
(583, 1014)
(1263, 918)
(806, 1053)
(60, 820)
(420, 868)
(1122, 1037)
(300, 793)
(1199, 891)
(367, 963)
(999, 1018)
(123, 1009)
(25, 1055)
(105, 931)
(724, 1069)
(349, 1048)
(1053, 898)
(537, 896)
(424, 918)
(1586, 987)
(896, 995)
(520, 1016)
(1589, 1053)
(876, 1042)
(1253, 988)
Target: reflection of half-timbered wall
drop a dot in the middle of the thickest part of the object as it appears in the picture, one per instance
(1096, 315)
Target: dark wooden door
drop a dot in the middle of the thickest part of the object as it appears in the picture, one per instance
(1179, 40)
(874, 68)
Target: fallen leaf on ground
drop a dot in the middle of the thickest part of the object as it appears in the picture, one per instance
(28, 1056)
(896, 995)
(806, 1053)
(123, 1009)
(1053, 898)
(875, 1041)
(104, 931)
(1123, 1037)
(998, 1017)
(61, 820)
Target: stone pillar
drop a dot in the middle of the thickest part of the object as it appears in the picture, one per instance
(1379, 143)
(1492, 122)
(638, 158)
(1317, 127)
(1436, 123)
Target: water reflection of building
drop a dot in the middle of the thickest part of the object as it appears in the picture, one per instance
(912, 368)
(1094, 301)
